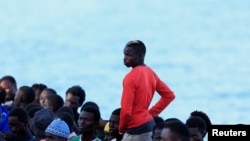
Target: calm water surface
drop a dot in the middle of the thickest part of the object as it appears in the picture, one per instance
(199, 48)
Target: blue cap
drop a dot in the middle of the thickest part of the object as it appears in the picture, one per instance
(59, 128)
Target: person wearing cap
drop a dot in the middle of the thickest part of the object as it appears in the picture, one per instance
(40, 122)
(58, 130)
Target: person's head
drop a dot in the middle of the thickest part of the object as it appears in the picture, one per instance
(44, 94)
(53, 102)
(75, 96)
(67, 110)
(57, 130)
(38, 88)
(88, 120)
(114, 121)
(197, 128)
(172, 119)
(24, 96)
(158, 119)
(175, 131)
(18, 120)
(40, 121)
(102, 122)
(204, 116)
(8, 83)
(156, 134)
(65, 116)
(134, 53)
(89, 103)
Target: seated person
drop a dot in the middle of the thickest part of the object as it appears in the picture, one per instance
(112, 132)
(18, 122)
(58, 130)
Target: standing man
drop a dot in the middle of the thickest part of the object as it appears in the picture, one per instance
(139, 86)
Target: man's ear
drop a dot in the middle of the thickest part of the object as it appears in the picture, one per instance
(140, 57)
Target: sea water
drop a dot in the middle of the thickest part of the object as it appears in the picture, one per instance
(200, 48)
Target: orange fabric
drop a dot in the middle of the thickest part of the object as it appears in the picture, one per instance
(139, 86)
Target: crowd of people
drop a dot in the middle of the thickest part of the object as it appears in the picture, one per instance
(38, 113)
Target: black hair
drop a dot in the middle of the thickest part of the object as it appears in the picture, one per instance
(39, 86)
(138, 47)
(56, 100)
(179, 129)
(94, 110)
(77, 91)
(32, 108)
(28, 94)
(32, 111)
(67, 110)
(196, 122)
(158, 126)
(202, 115)
(50, 90)
(172, 120)
(20, 113)
(89, 103)
(9, 78)
(158, 119)
(32, 105)
(65, 116)
(116, 112)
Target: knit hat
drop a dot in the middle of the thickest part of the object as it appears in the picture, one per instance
(59, 128)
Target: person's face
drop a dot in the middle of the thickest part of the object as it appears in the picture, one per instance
(130, 58)
(72, 101)
(51, 137)
(114, 124)
(166, 135)
(16, 126)
(86, 122)
(9, 88)
(196, 135)
(157, 135)
(43, 96)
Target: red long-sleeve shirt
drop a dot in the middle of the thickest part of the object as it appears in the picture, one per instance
(139, 86)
